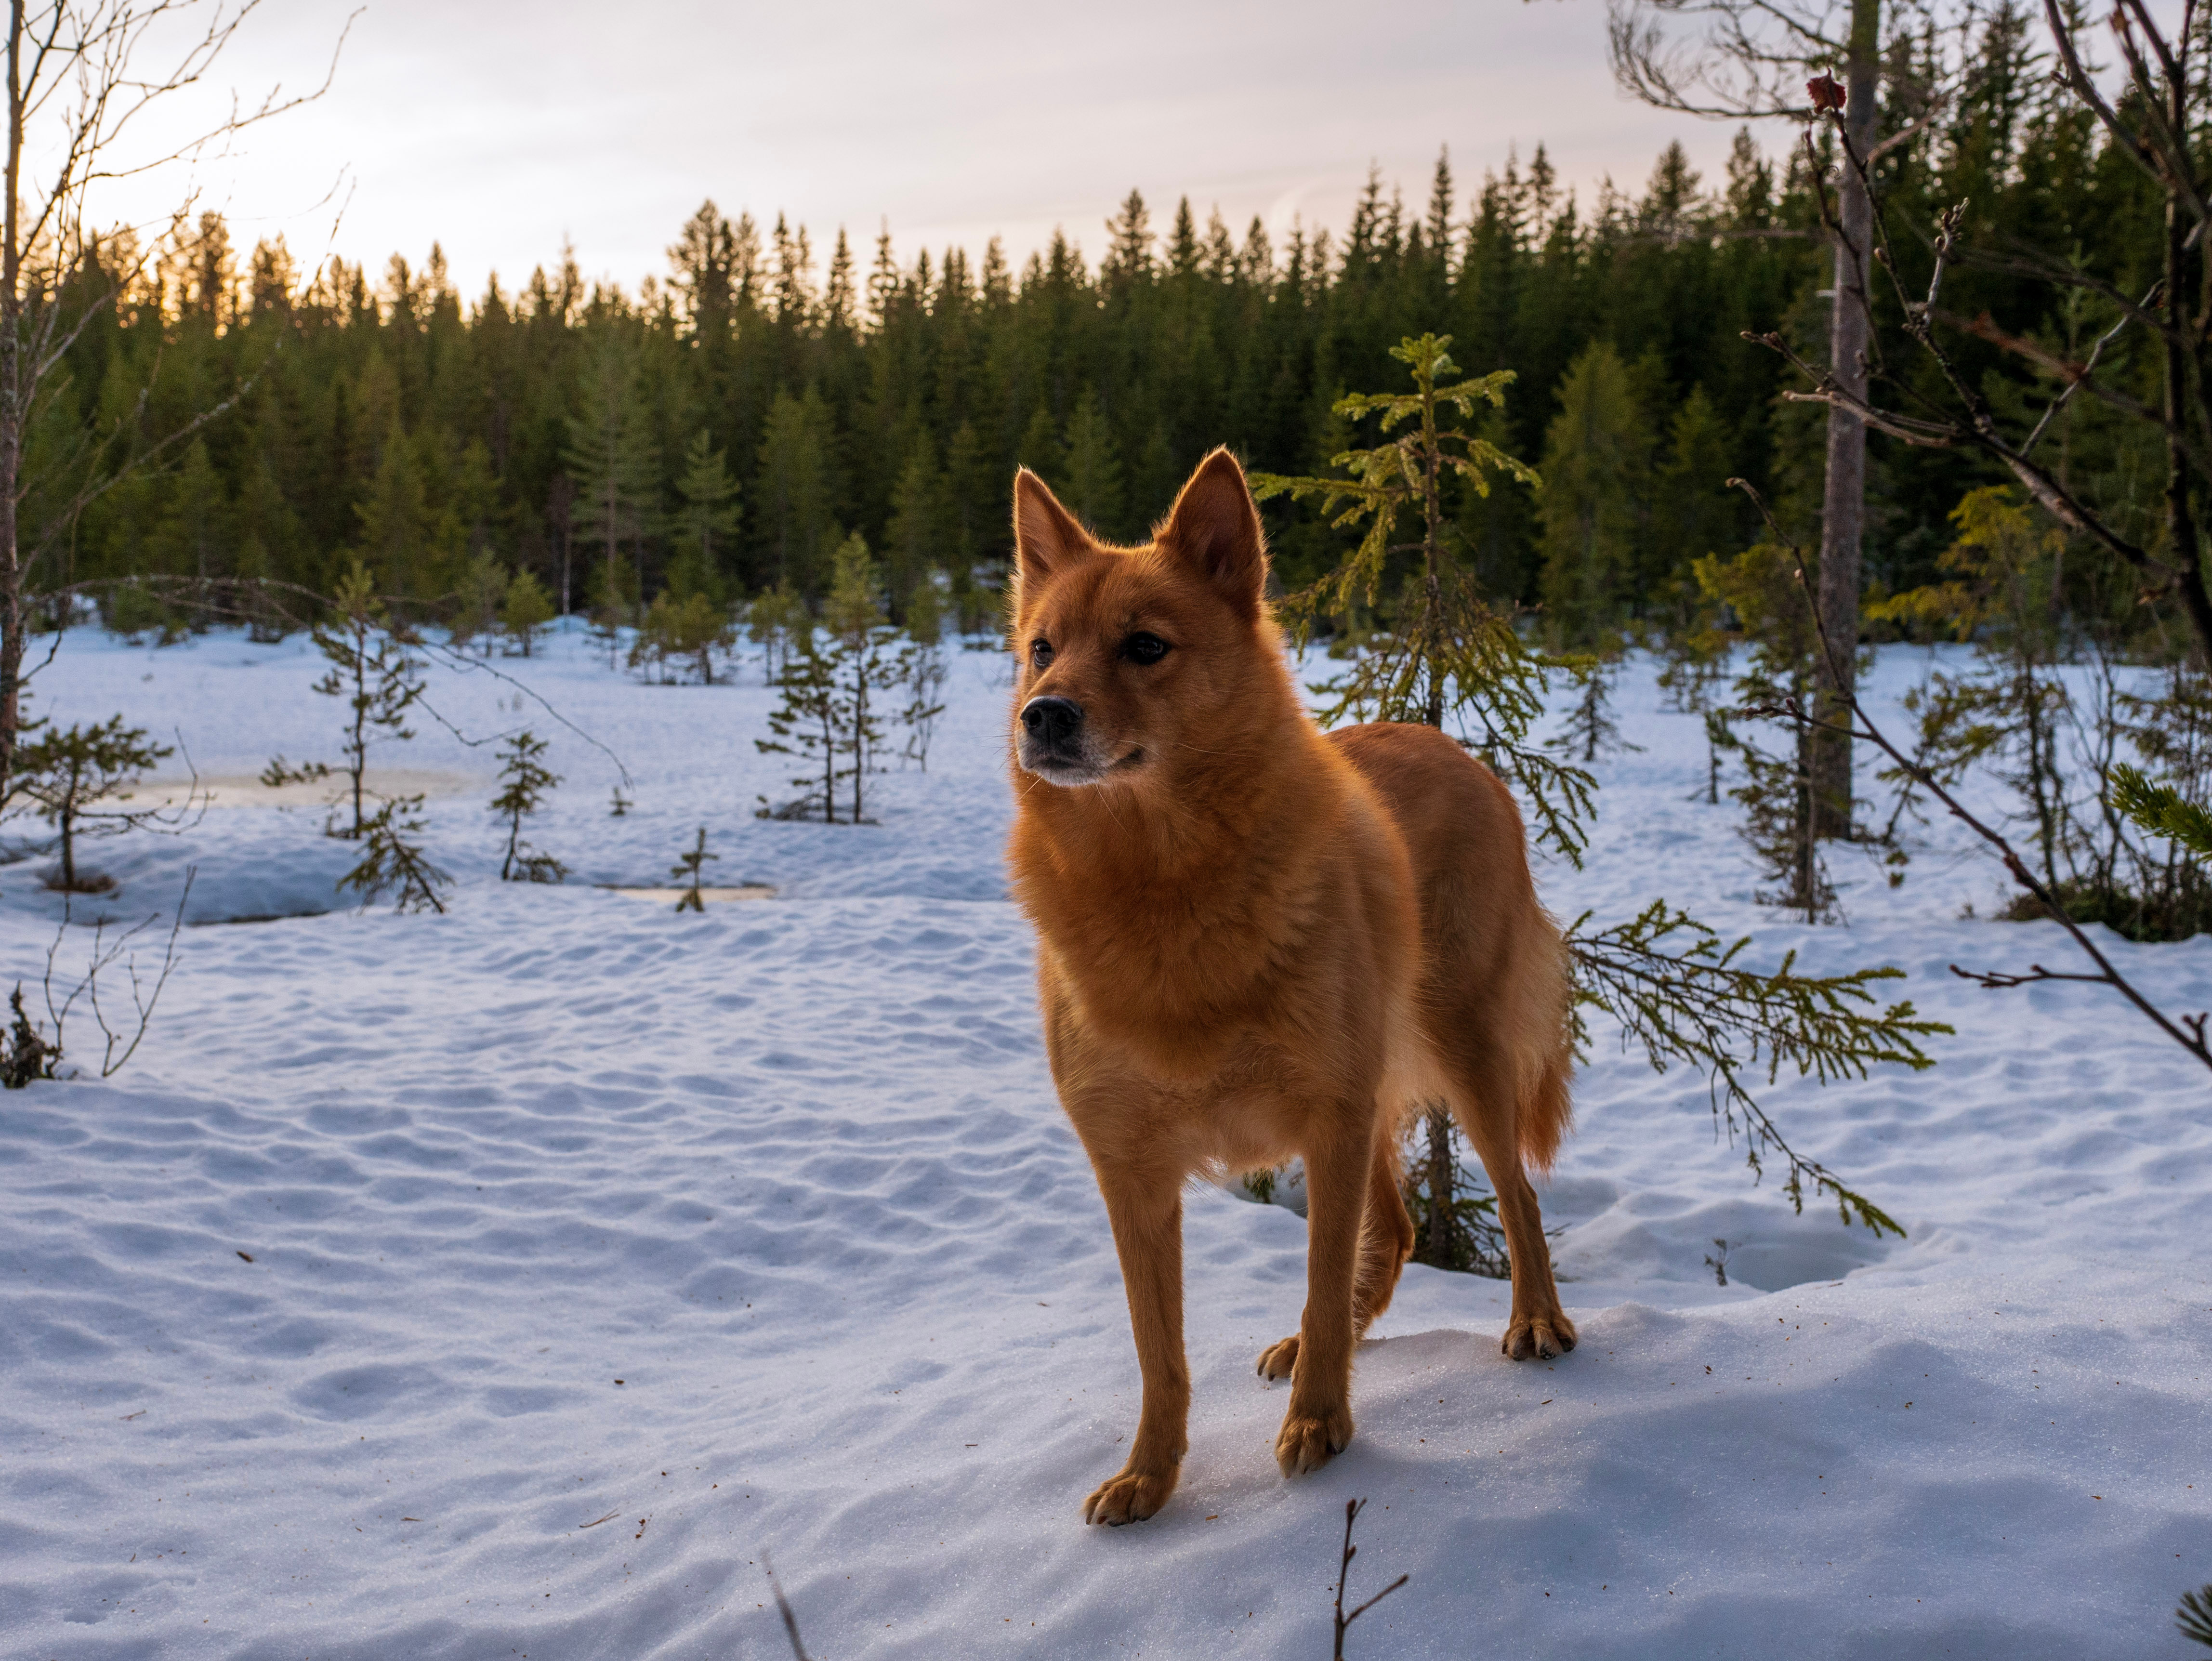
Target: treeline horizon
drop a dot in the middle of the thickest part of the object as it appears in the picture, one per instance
(600, 438)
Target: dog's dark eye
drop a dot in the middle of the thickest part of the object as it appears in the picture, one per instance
(1144, 648)
(1039, 653)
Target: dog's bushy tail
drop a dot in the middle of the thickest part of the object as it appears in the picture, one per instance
(1544, 1050)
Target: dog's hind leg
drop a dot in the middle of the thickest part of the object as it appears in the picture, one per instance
(1146, 1211)
(1485, 1101)
(1386, 1241)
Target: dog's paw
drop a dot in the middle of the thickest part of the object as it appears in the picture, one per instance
(1279, 1360)
(1308, 1441)
(1128, 1497)
(1539, 1337)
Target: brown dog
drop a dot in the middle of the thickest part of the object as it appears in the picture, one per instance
(1254, 941)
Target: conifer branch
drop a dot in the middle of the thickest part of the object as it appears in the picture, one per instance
(1679, 993)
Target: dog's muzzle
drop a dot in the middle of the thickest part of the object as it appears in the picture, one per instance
(1055, 745)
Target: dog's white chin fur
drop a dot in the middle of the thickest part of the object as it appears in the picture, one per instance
(1075, 775)
(1072, 775)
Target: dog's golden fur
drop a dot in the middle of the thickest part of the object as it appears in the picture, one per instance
(1254, 940)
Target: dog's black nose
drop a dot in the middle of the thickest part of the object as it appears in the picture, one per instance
(1052, 720)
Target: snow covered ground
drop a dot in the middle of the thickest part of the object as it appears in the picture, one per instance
(510, 1282)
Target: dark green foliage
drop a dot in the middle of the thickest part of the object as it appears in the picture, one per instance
(525, 611)
(1761, 594)
(26, 1054)
(381, 681)
(835, 683)
(525, 781)
(810, 724)
(1680, 996)
(392, 861)
(702, 530)
(561, 426)
(68, 775)
(1444, 653)
(2159, 810)
(1463, 1235)
(691, 865)
(1674, 990)
(1589, 729)
(2194, 1615)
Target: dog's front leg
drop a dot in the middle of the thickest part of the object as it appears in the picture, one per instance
(1146, 1211)
(1319, 1422)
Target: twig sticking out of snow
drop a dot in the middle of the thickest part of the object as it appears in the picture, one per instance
(791, 1621)
(120, 1041)
(1352, 1510)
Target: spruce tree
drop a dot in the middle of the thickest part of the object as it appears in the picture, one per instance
(1761, 589)
(774, 622)
(835, 684)
(525, 781)
(866, 662)
(914, 538)
(609, 456)
(1092, 469)
(372, 669)
(703, 529)
(483, 596)
(795, 485)
(195, 536)
(1591, 728)
(68, 775)
(401, 533)
(526, 610)
(392, 861)
(1673, 988)
(1595, 472)
(682, 629)
(691, 865)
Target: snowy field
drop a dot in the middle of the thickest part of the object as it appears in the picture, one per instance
(509, 1282)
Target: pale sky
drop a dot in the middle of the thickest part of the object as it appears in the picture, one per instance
(498, 128)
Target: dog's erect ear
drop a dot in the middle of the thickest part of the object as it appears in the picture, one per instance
(1214, 527)
(1046, 535)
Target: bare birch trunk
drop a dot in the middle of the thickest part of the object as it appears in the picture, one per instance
(11, 416)
(1842, 507)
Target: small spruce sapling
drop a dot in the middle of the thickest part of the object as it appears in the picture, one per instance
(692, 865)
(685, 629)
(926, 670)
(1781, 824)
(392, 861)
(809, 724)
(525, 611)
(69, 774)
(483, 597)
(26, 1054)
(1591, 728)
(525, 781)
(834, 683)
(776, 622)
(1465, 1235)
(864, 662)
(373, 671)
(1672, 987)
